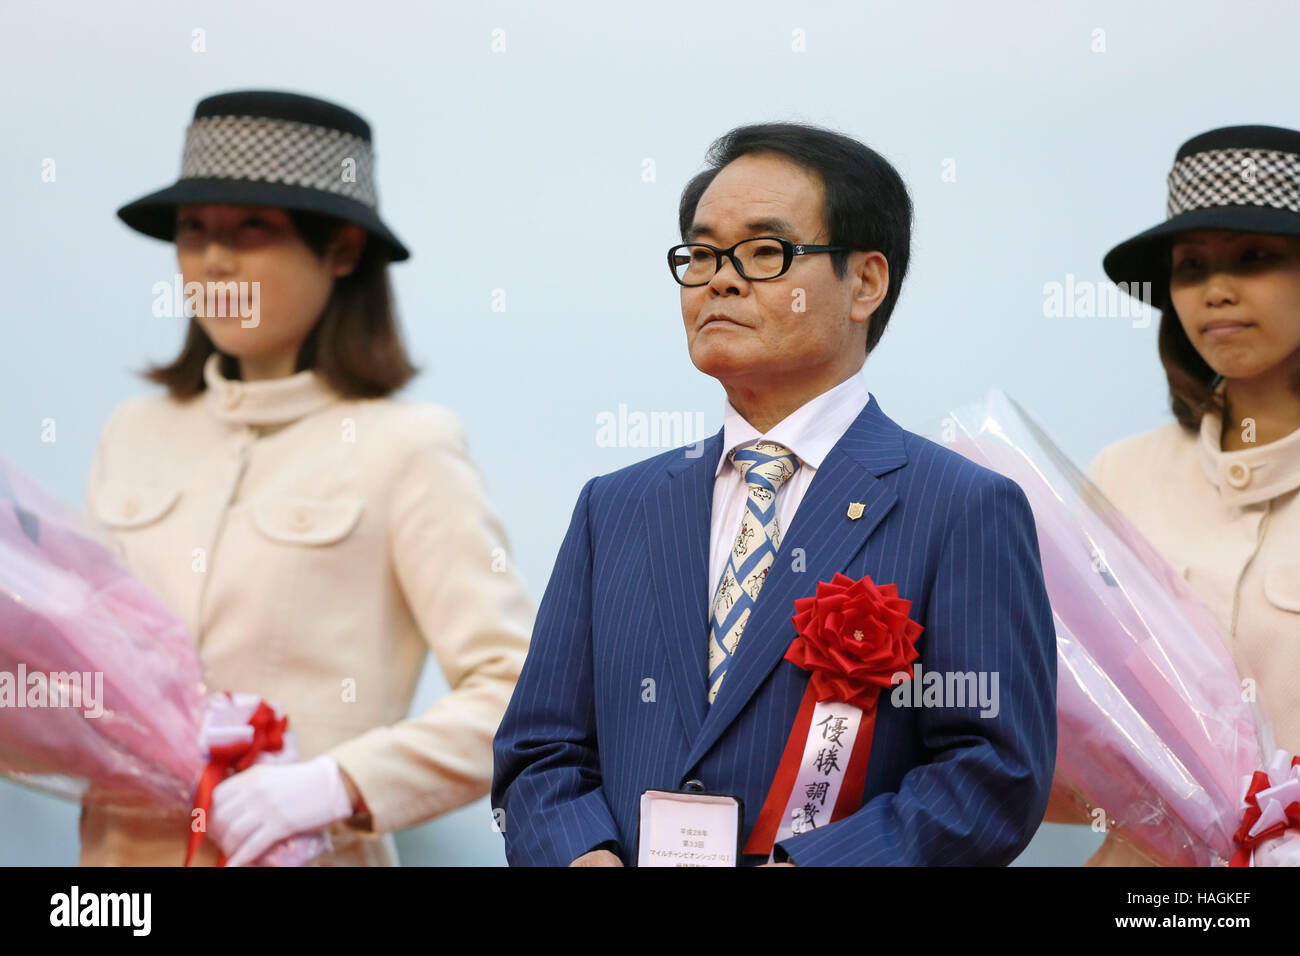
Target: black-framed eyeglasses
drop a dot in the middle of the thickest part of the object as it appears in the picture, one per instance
(756, 259)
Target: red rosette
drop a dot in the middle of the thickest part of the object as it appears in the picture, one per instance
(854, 637)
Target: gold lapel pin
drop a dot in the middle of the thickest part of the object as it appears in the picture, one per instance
(855, 509)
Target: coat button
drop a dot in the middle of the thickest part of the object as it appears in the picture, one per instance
(695, 786)
(130, 507)
(301, 520)
(234, 395)
(1238, 474)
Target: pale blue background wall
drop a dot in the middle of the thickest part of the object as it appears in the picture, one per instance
(492, 163)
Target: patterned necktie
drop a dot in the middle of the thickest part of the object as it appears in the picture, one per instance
(765, 468)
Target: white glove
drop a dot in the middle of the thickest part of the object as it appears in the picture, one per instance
(257, 808)
(1281, 850)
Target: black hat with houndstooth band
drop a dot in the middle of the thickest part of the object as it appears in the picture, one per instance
(262, 148)
(1238, 178)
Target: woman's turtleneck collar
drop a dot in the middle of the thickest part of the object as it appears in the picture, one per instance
(276, 401)
(1249, 475)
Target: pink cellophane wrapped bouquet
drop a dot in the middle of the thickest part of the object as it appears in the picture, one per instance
(100, 684)
(1154, 726)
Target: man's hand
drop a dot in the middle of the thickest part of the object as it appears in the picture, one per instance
(597, 858)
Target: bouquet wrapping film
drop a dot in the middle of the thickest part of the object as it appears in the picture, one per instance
(124, 711)
(1153, 725)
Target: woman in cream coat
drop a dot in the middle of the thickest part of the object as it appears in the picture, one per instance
(317, 536)
(1216, 490)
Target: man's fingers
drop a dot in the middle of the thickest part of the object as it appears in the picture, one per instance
(597, 858)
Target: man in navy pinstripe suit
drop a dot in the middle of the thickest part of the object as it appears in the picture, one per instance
(657, 656)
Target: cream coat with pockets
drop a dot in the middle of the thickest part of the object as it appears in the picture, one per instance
(317, 548)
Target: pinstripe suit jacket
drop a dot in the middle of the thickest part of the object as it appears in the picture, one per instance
(627, 601)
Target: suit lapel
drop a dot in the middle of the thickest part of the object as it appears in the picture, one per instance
(678, 517)
(828, 539)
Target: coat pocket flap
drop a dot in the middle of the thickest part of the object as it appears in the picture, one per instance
(134, 506)
(1282, 585)
(306, 520)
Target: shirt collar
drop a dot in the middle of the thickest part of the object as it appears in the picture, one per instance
(810, 431)
(1249, 475)
(264, 402)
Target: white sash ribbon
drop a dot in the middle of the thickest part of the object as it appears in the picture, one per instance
(826, 752)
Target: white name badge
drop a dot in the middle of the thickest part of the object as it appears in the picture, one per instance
(688, 829)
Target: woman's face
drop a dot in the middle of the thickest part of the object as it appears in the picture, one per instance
(263, 288)
(1237, 295)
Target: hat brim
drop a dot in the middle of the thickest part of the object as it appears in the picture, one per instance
(155, 214)
(1141, 258)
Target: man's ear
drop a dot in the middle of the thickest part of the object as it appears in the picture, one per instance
(345, 251)
(870, 284)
